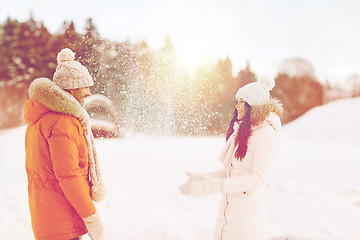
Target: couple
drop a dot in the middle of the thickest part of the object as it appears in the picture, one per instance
(62, 164)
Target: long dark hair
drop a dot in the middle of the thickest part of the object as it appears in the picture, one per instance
(243, 133)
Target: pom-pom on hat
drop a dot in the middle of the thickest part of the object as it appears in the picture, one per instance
(256, 93)
(70, 74)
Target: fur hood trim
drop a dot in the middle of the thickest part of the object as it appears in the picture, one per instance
(53, 97)
(259, 113)
(56, 99)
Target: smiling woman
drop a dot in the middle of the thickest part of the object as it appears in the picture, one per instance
(251, 145)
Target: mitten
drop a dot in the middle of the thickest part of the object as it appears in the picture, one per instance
(193, 177)
(94, 226)
(207, 186)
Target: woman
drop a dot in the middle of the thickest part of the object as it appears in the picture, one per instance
(252, 143)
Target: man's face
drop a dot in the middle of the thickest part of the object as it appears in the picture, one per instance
(80, 94)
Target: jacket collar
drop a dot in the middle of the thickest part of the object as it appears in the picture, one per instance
(272, 120)
(53, 97)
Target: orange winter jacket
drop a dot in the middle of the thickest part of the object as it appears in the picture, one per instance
(57, 170)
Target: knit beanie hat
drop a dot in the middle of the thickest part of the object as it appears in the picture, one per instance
(256, 93)
(71, 74)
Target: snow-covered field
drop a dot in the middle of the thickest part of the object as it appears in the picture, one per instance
(313, 190)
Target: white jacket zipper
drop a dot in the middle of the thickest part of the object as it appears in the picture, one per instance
(227, 203)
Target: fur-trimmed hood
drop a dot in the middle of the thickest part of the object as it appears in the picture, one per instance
(54, 98)
(268, 113)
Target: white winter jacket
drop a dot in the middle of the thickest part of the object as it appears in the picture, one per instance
(242, 213)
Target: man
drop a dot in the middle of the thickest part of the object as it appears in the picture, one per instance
(61, 161)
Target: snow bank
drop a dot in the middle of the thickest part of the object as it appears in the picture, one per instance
(335, 122)
(313, 189)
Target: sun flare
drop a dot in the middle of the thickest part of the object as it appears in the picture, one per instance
(190, 56)
(194, 47)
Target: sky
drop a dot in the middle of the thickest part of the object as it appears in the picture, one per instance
(261, 32)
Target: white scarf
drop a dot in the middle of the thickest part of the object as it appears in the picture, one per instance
(96, 183)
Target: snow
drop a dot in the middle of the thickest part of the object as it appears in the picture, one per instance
(313, 191)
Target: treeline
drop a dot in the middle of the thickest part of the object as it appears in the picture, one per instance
(151, 92)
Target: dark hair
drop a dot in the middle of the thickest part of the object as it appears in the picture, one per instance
(243, 133)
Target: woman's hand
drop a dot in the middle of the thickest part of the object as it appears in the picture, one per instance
(200, 186)
(193, 177)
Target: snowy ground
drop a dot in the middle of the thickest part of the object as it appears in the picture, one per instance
(313, 189)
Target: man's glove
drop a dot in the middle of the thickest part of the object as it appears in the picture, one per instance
(94, 226)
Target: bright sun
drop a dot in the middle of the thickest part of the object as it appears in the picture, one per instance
(190, 56)
(195, 48)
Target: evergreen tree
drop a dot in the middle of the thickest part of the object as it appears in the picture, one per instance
(245, 76)
(8, 42)
(71, 37)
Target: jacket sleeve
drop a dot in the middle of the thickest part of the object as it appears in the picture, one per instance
(65, 159)
(221, 173)
(265, 149)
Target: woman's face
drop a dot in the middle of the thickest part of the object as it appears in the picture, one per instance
(241, 109)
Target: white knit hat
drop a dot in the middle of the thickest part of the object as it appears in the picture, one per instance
(256, 93)
(71, 74)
